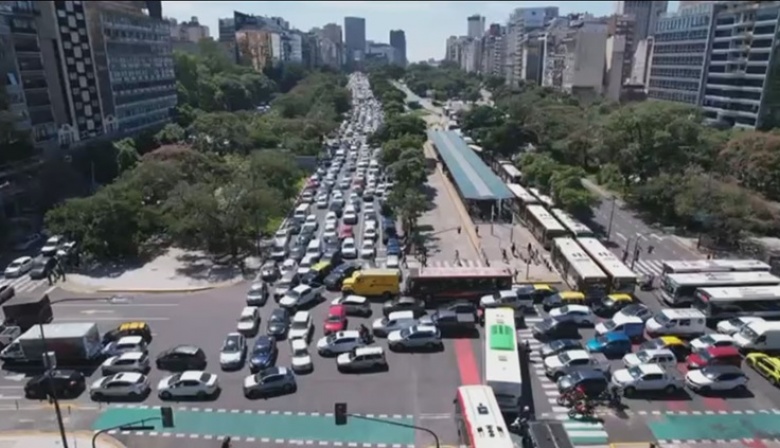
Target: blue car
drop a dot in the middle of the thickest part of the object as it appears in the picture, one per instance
(263, 354)
(613, 344)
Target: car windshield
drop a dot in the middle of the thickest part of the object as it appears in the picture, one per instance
(247, 318)
(602, 339)
(175, 378)
(231, 345)
(277, 317)
(635, 372)
(707, 340)
(662, 319)
(736, 322)
(300, 351)
(644, 357)
(334, 318)
(610, 325)
(557, 345)
(294, 293)
(299, 324)
(261, 347)
(564, 309)
(705, 355)
(15, 264)
(406, 332)
(256, 290)
(564, 358)
(284, 283)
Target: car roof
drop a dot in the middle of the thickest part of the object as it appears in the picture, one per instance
(130, 340)
(723, 351)
(591, 373)
(672, 340)
(616, 336)
(659, 351)
(425, 329)
(258, 285)
(651, 369)
(131, 377)
(191, 375)
(298, 344)
(577, 308)
(187, 349)
(577, 354)
(132, 355)
(718, 337)
(22, 259)
(375, 349)
(301, 316)
(301, 288)
(337, 309)
(347, 334)
(354, 298)
(406, 314)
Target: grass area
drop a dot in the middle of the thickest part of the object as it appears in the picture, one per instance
(421, 113)
(273, 225)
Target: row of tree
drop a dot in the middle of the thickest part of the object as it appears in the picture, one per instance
(219, 177)
(660, 156)
(445, 82)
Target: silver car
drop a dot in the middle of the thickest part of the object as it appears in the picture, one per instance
(269, 382)
(416, 337)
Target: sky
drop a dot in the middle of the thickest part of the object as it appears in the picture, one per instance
(427, 23)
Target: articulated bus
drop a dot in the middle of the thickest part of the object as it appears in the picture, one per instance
(544, 226)
(696, 266)
(502, 362)
(522, 199)
(621, 278)
(434, 284)
(509, 174)
(579, 270)
(479, 420)
(577, 229)
(679, 289)
(543, 198)
(726, 303)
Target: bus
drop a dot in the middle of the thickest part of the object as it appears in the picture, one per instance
(435, 285)
(726, 303)
(621, 278)
(510, 174)
(544, 226)
(696, 266)
(576, 228)
(502, 362)
(522, 199)
(679, 289)
(479, 420)
(579, 270)
(543, 198)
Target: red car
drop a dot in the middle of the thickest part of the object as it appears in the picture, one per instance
(336, 320)
(714, 356)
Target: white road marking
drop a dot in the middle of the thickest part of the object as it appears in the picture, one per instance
(620, 235)
(120, 318)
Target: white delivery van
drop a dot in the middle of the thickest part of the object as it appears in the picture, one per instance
(685, 323)
(301, 212)
(760, 336)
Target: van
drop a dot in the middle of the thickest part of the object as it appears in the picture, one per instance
(686, 323)
(663, 357)
(373, 282)
(759, 336)
(301, 212)
(279, 249)
(314, 247)
(632, 326)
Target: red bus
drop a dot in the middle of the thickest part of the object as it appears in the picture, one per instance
(446, 284)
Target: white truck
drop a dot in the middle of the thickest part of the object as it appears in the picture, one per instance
(73, 344)
(759, 335)
(571, 360)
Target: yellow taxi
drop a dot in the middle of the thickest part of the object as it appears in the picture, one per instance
(130, 329)
(535, 291)
(563, 298)
(679, 347)
(613, 303)
(767, 366)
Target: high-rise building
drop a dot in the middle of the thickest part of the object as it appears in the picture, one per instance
(191, 31)
(476, 26)
(575, 55)
(398, 41)
(679, 55)
(331, 45)
(354, 38)
(646, 14)
(688, 3)
(521, 22)
(620, 29)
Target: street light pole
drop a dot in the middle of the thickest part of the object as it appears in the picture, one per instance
(50, 382)
(139, 425)
(611, 217)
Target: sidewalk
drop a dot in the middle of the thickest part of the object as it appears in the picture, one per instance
(42, 439)
(495, 237)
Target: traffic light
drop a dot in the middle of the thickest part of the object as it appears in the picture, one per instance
(166, 413)
(340, 412)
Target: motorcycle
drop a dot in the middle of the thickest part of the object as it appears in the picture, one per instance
(569, 398)
(582, 408)
(648, 283)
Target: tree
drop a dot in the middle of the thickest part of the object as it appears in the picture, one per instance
(126, 154)
(278, 169)
(398, 126)
(170, 134)
(391, 150)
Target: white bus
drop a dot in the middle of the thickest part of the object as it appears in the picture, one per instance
(502, 362)
(621, 278)
(544, 226)
(543, 198)
(678, 289)
(579, 270)
(695, 266)
(578, 229)
(726, 303)
(522, 199)
(479, 420)
(510, 174)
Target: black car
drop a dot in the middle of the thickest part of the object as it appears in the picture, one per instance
(67, 384)
(278, 323)
(592, 381)
(42, 267)
(460, 307)
(181, 358)
(263, 354)
(549, 329)
(336, 277)
(332, 253)
(6, 292)
(404, 304)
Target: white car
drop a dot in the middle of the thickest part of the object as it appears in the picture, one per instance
(322, 201)
(126, 344)
(370, 233)
(397, 320)
(339, 342)
(579, 314)
(733, 325)
(350, 217)
(301, 359)
(368, 250)
(646, 378)
(332, 216)
(306, 264)
(415, 337)
(121, 385)
(330, 233)
(126, 362)
(712, 340)
(567, 362)
(288, 266)
(52, 244)
(393, 262)
(18, 267)
(300, 296)
(362, 358)
(233, 353)
(348, 248)
(716, 378)
(301, 326)
(248, 320)
(355, 305)
(189, 384)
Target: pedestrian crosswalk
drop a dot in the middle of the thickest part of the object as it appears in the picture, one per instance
(23, 283)
(414, 263)
(581, 433)
(648, 267)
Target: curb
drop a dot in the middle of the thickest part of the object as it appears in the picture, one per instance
(104, 439)
(158, 291)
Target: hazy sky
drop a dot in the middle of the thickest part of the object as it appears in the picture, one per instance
(427, 23)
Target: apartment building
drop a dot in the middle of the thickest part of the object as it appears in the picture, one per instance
(354, 38)
(475, 26)
(398, 41)
(521, 22)
(575, 52)
(646, 14)
(678, 61)
(740, 88)
(191, 31)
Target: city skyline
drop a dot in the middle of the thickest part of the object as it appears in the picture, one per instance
(426, 24)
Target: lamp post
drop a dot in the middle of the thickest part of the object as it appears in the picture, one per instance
(611, 217)
(139, 425)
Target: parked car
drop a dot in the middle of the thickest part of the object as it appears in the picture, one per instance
(189, 384)
(269, 382)
(182, 357)
(233, 353)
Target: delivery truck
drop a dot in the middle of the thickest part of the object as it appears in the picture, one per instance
(74, 344)
(25, 311)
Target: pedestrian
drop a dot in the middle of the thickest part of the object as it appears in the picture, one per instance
(504, 255)
(476, 230)
(529, 248)
(458, 230)
(48, 277)
(514, 249)
(457, 254)
(225, 442)
(517, 273)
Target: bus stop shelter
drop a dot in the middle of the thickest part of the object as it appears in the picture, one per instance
(478, 186)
